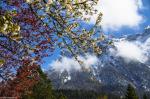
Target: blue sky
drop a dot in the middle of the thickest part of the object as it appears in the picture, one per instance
(120, 17)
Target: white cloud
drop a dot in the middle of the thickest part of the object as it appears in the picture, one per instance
(70, 64)
(119, 13)
(132, 51)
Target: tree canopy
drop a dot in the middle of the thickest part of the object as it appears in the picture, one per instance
(131, 93)
(33, 29)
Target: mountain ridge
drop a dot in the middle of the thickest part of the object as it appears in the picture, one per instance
(111, 74)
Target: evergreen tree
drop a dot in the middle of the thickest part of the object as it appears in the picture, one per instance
(42, 90)
(131, 93)
(145, 96)
(105, 97)
(34, 29)
(61, 96)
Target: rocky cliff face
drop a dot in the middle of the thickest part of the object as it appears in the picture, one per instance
(112, 73)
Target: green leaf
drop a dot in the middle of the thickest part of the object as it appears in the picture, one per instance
(2, 61)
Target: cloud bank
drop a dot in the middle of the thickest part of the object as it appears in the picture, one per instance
(132, 51)
(119, 13)
(70, 64)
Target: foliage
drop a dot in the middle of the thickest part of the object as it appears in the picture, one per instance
(104, 97)
(25, 78)
(42, 90)
(145, 96)
(131, 93)
(60, 96)
(33, 29)
(7, 26)
(85, 94)
(44, 26)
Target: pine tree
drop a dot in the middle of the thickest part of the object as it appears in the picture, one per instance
(131, 93)
(61, 96)
(42, 90)
(145, 96)
(27, 34)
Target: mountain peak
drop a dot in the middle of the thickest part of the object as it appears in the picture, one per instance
(112, 70)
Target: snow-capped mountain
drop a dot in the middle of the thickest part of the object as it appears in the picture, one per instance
(126, 62)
